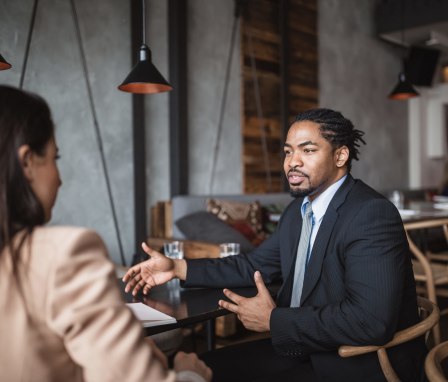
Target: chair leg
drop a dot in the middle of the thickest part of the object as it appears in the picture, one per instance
(388, 371)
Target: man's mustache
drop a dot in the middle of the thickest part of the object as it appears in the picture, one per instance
(295, 171)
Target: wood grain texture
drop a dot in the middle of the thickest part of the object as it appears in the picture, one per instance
(261, 46)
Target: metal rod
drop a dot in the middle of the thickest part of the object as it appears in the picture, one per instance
(97, 132)
(28, 44)
(223, 100)
(264, 144)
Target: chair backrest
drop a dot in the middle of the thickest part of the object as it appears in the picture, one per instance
(400, 337)
(424, 271)
(433, 363)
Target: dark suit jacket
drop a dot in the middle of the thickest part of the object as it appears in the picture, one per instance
(358, 288)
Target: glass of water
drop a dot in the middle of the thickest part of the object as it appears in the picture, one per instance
(229, 249)
(174, 250)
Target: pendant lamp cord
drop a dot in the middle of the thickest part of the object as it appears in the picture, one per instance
(402, 35)
(144, 22)
(28, 44)
(97, 132)
(224, 95)
(261, 125)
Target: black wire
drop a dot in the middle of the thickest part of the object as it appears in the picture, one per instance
(224, 98)
(28, 44)
(144, 22)
(97, 131)
(264, 144)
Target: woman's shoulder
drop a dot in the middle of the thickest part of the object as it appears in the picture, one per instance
(65, 238)
(65, 232)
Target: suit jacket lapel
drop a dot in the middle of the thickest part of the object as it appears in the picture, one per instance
(319, 251)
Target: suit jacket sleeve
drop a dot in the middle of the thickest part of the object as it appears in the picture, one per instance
(237, 271)
(373, 250)
(85, 308)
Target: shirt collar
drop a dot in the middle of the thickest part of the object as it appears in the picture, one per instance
(321, 203)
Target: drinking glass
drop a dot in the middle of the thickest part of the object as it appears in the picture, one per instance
(174, 249)
(397, 198)
(229, 249)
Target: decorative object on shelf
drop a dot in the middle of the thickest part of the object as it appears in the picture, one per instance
(144, 77)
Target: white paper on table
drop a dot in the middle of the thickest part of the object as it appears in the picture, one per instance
(441, 206)
(149, 316)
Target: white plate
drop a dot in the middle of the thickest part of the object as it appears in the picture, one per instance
(440, 198)
(407, 212)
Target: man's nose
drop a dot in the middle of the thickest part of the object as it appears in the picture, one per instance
(295, 161)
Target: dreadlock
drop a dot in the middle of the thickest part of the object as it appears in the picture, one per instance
(336, 129)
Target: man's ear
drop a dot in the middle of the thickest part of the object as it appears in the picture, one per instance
(342, 154)
(26, 160)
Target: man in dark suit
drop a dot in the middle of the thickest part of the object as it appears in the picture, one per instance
(342, 256)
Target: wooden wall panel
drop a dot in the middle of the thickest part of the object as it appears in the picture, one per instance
(260, 47)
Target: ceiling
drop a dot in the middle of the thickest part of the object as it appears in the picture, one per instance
(417, 22)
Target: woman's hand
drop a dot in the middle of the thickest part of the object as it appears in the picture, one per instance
(159, 269)
(191, 362)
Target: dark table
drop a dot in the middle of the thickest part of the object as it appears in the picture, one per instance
(188, 306)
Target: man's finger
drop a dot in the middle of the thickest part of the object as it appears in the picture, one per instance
(229, 306)
(260, 283)
(236, 298)
(131, 272)
(147, 249)
(132, 282)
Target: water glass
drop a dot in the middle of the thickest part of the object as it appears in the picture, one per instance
(174, 250)
(397, 198)
(229, 249)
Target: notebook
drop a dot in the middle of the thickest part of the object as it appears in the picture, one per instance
(149, 316)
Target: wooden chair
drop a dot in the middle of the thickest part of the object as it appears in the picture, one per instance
(429, 269)
(433, 363)
(400, 337)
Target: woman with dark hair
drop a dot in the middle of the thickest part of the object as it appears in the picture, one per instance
(62, 315)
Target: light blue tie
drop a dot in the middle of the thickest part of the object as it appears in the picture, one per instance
(302, 255)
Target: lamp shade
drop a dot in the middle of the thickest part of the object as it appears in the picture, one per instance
(144, 77)
(403, 90)
(4, 64)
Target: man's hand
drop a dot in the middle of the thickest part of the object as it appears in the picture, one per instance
(159, 269)
(254, 312)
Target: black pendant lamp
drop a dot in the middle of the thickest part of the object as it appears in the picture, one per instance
(144, 77)
(4, 64)
(403, 90)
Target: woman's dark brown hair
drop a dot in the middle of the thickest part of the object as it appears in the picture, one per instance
(25, 119)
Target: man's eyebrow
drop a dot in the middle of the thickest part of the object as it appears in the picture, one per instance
(306, 143)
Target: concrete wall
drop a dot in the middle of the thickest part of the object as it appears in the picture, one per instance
(55, 72)
(356, 73)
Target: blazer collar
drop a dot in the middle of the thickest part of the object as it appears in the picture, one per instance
(314, 266)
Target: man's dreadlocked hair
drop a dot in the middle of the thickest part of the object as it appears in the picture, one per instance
(336, 129)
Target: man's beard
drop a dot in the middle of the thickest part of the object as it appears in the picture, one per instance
(301, 193)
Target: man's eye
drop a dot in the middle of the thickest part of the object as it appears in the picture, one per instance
(287, 152)
(307, 151)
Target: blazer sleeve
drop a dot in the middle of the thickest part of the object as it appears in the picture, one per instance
(237, 271)
(373, 249)
(85, 308)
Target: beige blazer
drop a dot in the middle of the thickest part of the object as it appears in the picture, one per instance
(65, 320)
